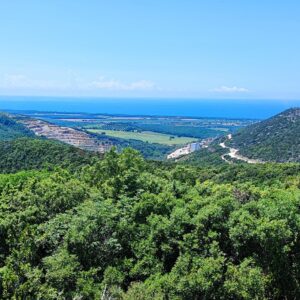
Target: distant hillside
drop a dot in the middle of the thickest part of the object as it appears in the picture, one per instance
(29, 154)
(275, 139)
(11, 129)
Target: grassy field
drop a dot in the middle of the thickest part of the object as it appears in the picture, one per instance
(146, 136)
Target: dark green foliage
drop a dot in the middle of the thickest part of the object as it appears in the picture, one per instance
(148, 150)
(125, 228)
(26, 154)
(11, 129)
(123, 126)
(276, 139)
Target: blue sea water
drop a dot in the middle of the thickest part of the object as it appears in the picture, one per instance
(255, 109)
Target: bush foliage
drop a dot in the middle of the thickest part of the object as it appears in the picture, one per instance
(125, 228)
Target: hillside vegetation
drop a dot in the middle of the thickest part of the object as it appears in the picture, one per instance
(27, 154)
(125, 228)
(74, 225)
(205, 157)
(275, 139)
(11, 129)
(151, 151)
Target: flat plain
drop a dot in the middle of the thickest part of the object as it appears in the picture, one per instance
(146, 136)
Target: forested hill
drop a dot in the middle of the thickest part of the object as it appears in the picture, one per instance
(76, 226)
(11, 129)
(126, 228)
(29, 153)
(275, 139)
(20, 149)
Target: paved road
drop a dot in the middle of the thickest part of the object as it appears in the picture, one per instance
(233, 153)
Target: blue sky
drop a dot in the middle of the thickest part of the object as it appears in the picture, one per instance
(151, 48)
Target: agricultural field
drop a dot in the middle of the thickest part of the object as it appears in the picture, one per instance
(155, 137)
(146, 136)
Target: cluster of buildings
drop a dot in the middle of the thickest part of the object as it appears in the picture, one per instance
(189, 148)
(67, 135)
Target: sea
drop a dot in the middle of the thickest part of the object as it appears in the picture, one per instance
(211, 108)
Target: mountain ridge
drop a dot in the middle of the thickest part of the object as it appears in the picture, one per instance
(275, 139)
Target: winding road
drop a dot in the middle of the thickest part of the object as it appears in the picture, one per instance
(233, 153)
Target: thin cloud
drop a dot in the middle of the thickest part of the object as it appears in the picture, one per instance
(233, 89)
(22, 82)
(111, 84)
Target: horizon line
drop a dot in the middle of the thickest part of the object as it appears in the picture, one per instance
(150, 98)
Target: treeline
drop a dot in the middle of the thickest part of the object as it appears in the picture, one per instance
(196, 131)
(151, 151)
(28, 154)
(125, 228)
